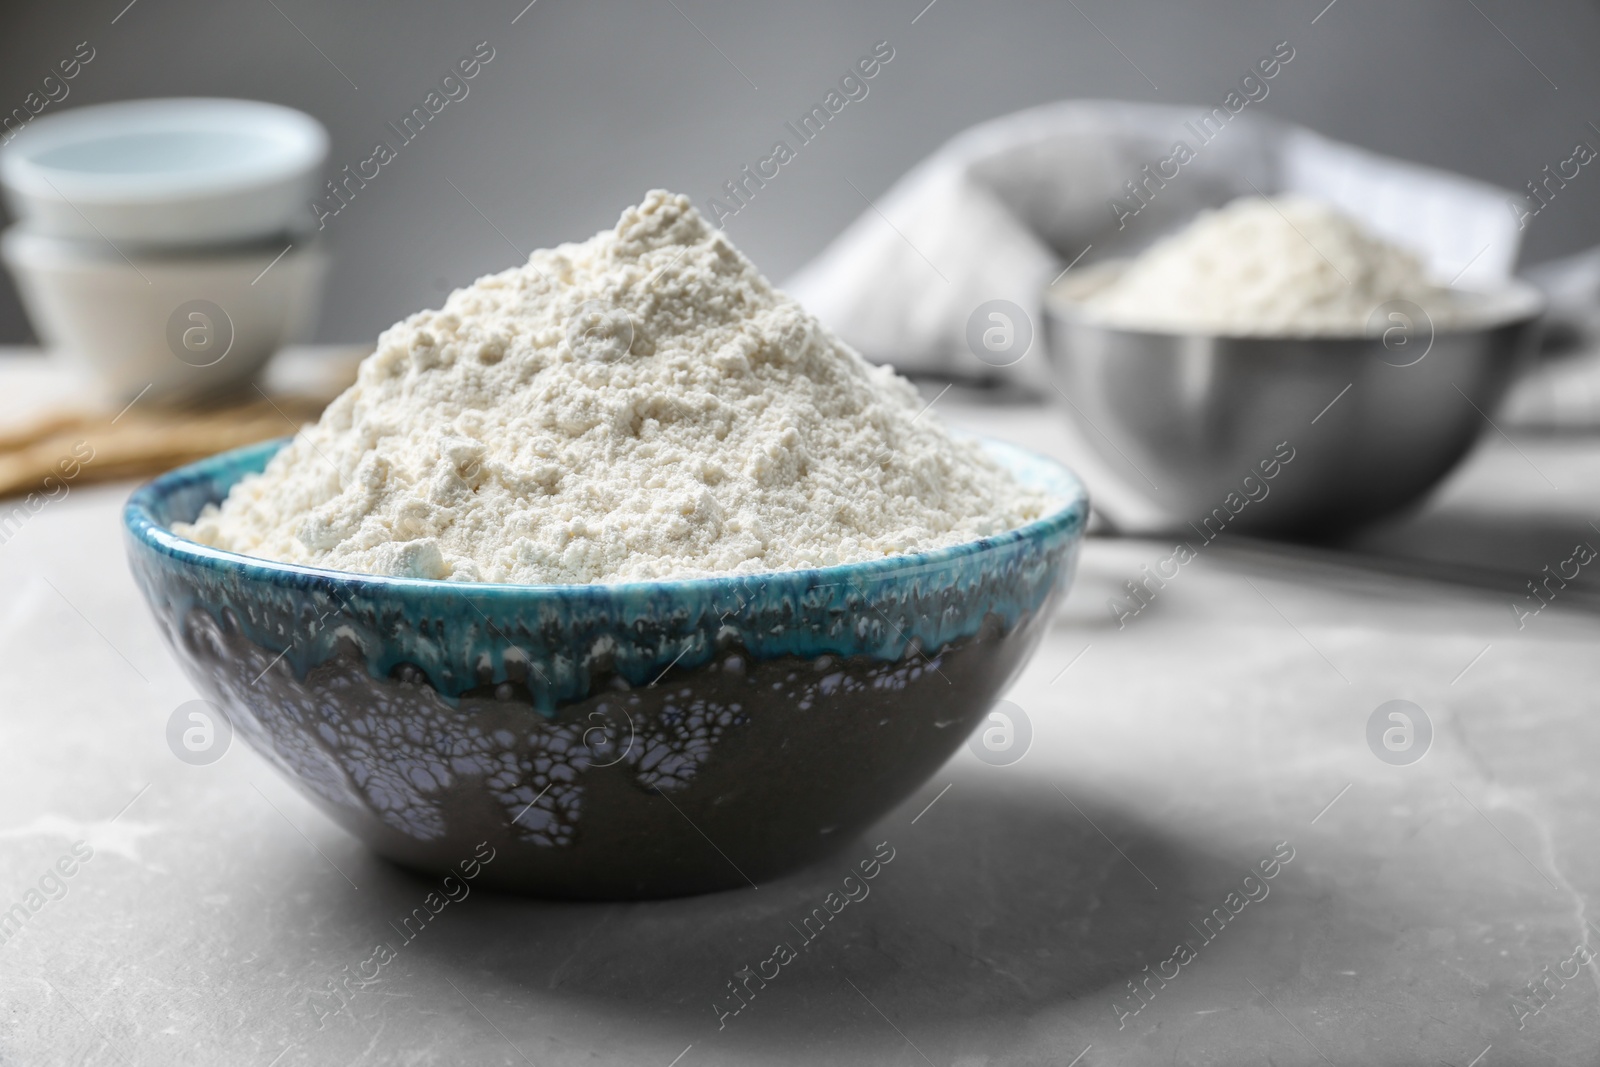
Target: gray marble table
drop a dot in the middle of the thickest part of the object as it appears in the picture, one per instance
(218, 918)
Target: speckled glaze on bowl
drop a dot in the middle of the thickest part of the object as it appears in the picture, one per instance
(634, 740)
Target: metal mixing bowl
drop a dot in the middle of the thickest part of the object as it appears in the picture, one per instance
(1371, 422)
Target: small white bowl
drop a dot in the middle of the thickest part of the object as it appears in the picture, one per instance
(184, 326)
(166, 173)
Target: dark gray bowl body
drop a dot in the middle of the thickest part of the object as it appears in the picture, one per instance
(634, 740)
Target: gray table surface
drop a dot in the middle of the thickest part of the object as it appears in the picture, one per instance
(1169, 757)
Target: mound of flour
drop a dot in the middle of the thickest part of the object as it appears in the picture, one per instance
(640, 405)
(1285, 267)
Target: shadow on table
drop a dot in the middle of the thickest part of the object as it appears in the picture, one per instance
(1516, 544)
(995, 904)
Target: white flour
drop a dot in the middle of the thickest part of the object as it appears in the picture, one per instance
(640, 405)
(1287, 267)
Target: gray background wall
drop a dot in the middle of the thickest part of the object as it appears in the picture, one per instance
(588, 104)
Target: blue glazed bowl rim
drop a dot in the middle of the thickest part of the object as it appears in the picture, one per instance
(140, 523)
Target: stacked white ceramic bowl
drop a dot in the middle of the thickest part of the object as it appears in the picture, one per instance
(166, 245)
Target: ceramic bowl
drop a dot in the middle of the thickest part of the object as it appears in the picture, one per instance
(184, 325)
(641, 739)
(173, 173)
